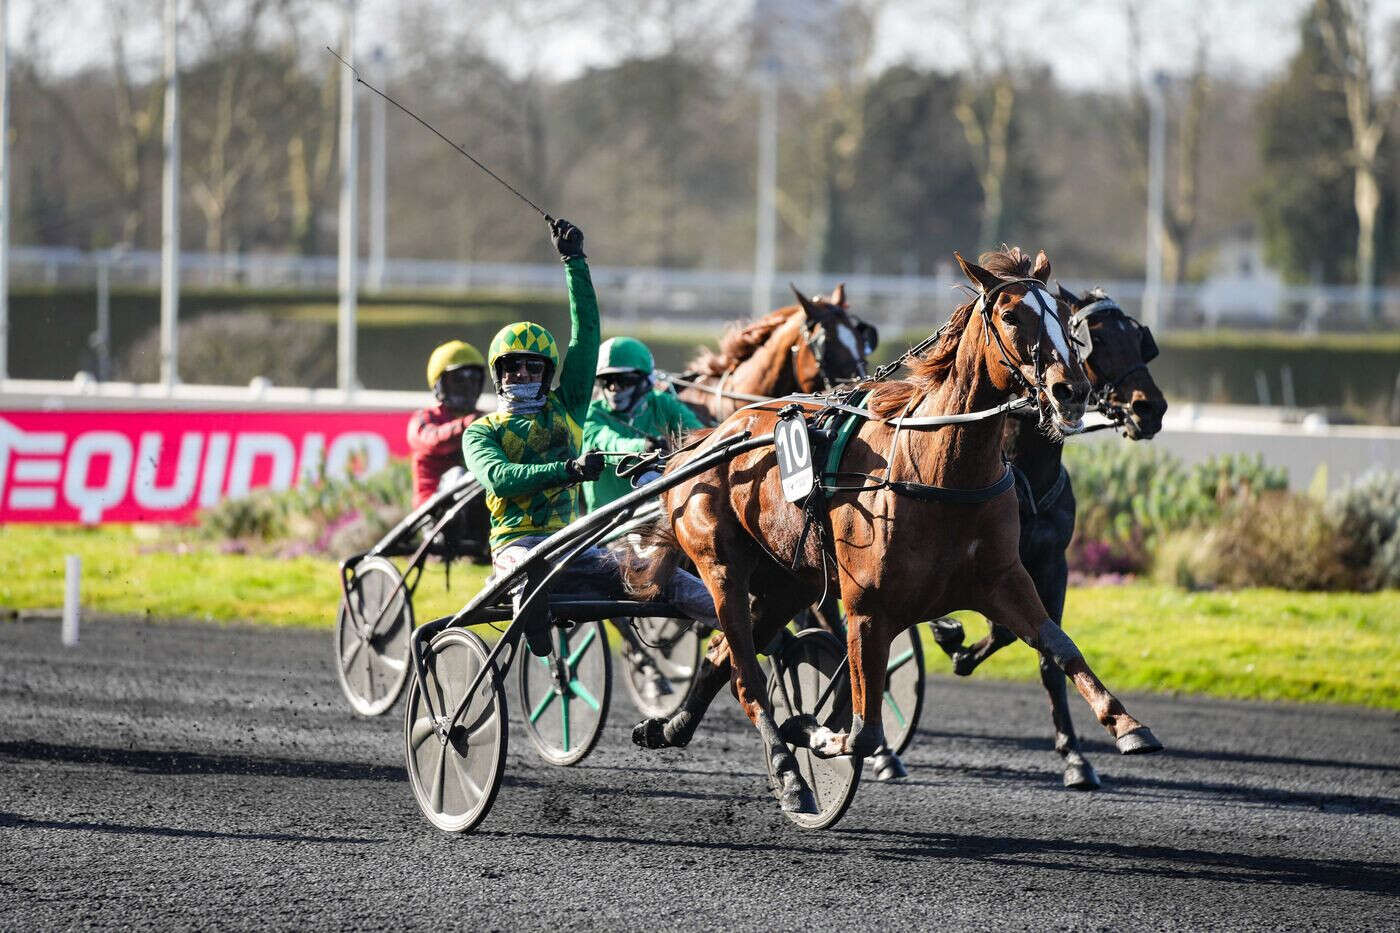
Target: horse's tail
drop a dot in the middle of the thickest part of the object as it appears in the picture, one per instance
(656, 552)
(655, 556)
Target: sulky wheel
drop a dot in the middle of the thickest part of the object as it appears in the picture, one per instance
(371, 637)
(455, 776)
(904, 689)
(564, 697)
(807, 663)
(675, 647)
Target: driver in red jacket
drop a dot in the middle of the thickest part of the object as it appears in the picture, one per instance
(456, 372)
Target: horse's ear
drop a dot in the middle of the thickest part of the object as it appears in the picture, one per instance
(838, 297)
(1041, 269)
(1067, 296)
(803, 300)
(984, 279)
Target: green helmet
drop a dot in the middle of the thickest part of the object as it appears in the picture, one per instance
(524, 337)
(624, 355)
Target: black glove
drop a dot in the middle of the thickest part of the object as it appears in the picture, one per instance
(586, 468)
(567, 238)
(658, 442)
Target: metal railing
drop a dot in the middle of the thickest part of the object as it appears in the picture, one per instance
(705, 297)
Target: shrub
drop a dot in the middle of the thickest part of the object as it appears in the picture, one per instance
(324, 516)
(1367, 514)
(1277, 539)
(231, 348)
(1132, 495)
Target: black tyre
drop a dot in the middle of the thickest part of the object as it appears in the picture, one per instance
(455, 778)
(675, 647)
(807, 663)
(904, 689)
(371, 637)
(564, 697)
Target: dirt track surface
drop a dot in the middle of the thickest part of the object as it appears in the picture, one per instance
(192, 776)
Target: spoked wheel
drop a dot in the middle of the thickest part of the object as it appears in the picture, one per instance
(904, 689)
(455, 778)
(565, 696)
(807, 663)
(371, 639)
(674, 646)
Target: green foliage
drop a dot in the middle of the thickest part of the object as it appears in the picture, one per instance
(326, 516)
(1132, 495)
(1367, 515)
(1304, 191)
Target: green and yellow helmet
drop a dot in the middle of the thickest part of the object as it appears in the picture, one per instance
(451, 355)
(524, 337)
(624, 355)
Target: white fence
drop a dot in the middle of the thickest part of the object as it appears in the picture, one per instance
(704, 296)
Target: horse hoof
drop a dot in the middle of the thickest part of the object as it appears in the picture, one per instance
(1140, 741)
(1081, 777)
(887, 766)
(948, 633)
(649, 733)
(798, 800)
(798, 730)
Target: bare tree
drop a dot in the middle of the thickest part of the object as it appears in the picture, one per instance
(1346, 35)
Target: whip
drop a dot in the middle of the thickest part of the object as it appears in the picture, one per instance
(507, 185)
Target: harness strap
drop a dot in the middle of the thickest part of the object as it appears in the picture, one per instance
(1052, 495)
(952, 496)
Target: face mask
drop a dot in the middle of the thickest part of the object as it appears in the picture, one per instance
(623, 399)
(520, 398)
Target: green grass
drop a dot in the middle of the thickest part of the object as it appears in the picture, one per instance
(1250, 644)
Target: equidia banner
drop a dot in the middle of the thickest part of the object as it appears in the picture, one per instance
(126, 466)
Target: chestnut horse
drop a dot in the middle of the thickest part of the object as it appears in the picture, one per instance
(1119, 350)
(929, 526)
(806, 347)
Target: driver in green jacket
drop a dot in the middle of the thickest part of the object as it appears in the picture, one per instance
(529, 453)
(630, 414)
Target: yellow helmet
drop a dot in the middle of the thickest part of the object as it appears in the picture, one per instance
(451, 355)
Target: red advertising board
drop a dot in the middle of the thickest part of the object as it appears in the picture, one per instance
(163, 466)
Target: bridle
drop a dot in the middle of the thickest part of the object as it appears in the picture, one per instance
(986, 300)
(1116, 412)
(813, 340)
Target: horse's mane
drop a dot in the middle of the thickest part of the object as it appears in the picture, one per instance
(930, 368)
(739, 343)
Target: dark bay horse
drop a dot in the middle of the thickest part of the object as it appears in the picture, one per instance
(929, 525)
(806, 347)
(1117, 352)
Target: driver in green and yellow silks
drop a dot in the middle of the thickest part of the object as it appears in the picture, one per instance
(630, 414)
(529, 454)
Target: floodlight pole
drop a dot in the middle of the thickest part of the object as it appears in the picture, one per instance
(374, 275)
(170, 206)
(4, 189)
(1153, 311)
(766, 228)
(349, 169)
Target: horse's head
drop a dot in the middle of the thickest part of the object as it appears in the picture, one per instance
(1026, 341)
(1116, 350)
(834, 343)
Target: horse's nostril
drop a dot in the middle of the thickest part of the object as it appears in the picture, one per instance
(1070, 393)
(1144, 409)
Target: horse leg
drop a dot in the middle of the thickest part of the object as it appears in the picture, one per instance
(868, 653)
(677, 731)
(967, 660)
(1079, 774)
(730, 588)
(1012, 600)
